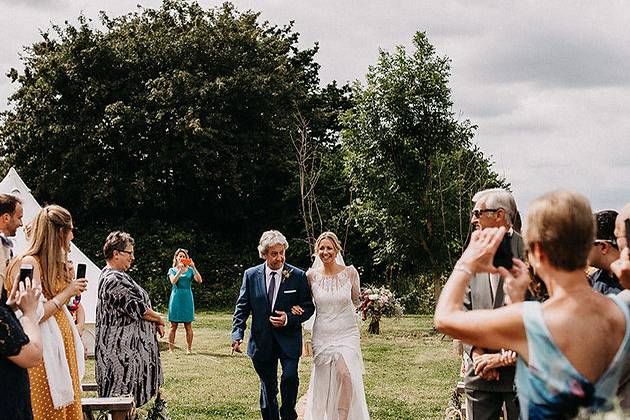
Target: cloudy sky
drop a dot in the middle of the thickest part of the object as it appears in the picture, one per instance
(548, 83)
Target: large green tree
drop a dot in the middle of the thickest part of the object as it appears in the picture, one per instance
(411, 163)
(180, 113)
(175, 124)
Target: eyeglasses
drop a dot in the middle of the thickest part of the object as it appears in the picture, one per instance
(130, 253)
(478, 213)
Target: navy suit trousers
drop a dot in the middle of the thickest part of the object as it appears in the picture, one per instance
(289, 381)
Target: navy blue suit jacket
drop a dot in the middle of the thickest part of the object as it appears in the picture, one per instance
(252, 299)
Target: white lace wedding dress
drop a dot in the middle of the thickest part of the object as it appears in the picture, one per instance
(336, 388)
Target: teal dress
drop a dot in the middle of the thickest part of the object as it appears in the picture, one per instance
(181, 307)
(549, 386)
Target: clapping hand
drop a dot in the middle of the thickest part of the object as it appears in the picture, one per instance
(480, 361)
(486, 365)
(508, 357)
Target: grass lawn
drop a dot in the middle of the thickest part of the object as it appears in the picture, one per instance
(409, 372)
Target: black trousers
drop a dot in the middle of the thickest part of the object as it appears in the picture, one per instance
(486, 405)
(268, 373)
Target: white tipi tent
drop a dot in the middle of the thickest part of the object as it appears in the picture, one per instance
(13, 184)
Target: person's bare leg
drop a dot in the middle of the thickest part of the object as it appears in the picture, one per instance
(171, 336)
(189, 335)
(345, 389)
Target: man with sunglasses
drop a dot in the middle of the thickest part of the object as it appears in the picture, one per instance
(603, 253)
(487, 393)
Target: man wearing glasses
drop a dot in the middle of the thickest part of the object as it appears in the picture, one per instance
(604, 253)
(488, 393)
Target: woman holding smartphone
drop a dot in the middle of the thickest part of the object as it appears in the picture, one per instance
(20, 348)
(181, 306)
(56, 382)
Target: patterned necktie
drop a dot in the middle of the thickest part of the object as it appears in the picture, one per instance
(272, 289)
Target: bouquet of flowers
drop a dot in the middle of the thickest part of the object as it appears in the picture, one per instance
(377, 302)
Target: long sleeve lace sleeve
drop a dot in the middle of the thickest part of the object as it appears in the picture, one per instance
(12, 336)
(356, 286)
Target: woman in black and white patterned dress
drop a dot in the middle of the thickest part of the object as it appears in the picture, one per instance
(127, 355)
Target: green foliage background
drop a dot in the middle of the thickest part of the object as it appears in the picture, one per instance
(178, 124)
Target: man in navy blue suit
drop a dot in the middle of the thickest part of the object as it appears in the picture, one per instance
(268, 292)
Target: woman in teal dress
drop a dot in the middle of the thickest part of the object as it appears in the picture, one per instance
(181, 307)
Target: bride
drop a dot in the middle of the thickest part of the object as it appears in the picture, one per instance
(336, 388)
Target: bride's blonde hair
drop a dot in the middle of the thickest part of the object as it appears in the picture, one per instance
(47, 244)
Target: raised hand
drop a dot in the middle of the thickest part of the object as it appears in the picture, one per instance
(76, 286)
(515, 281)
(25, 297)
(480, 251)
(621, 268)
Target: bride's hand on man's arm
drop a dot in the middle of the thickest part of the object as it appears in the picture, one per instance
(297, 310)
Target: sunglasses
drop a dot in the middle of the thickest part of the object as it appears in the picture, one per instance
(478, 213)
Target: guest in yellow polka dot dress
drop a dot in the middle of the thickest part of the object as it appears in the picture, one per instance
(55, 384)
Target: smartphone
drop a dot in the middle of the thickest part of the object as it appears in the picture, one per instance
(26, 270)
(627, 222)
(81, 268)
(503, 256)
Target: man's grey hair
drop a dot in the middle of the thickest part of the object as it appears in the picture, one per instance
(498, 198)
(270, 238)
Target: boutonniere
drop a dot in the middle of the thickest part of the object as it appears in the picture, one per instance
(286, 273)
